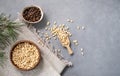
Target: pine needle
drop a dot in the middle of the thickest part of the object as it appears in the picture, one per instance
(8, 31)
(8, 34)
(2, 58)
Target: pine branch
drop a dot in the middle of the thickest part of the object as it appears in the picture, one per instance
(2, 58)
(8, 31)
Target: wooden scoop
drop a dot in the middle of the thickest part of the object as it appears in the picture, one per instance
(68, 46)
(66, 43)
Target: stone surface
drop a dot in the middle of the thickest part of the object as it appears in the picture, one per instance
(100, 39)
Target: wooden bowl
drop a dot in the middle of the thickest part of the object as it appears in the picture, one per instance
(40, 9)
(13, 53)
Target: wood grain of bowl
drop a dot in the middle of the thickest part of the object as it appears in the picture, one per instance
(25, 55)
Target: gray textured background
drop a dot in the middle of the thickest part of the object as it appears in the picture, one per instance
(101, 39)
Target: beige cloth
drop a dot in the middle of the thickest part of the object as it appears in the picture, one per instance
(49, 66)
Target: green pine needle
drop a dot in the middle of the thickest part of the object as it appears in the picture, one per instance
(2, 58)
(8, 31)
(8, 34)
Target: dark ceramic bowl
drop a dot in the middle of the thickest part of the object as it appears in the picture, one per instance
(41, 14)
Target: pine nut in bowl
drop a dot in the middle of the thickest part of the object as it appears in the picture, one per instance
(25, 55)
(32, 14)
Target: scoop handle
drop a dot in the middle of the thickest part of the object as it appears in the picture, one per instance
(69, 50)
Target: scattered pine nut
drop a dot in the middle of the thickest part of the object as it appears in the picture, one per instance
(78, 27)
(83, 28)
(68, 20)
(82, 53)
(46, 28)
(55, 22)
(70, 35)
(75, 41)
(53, 35)
(71, 21)
(66, 28)
(47, 38)
(81, 49)
(70, 64)
(59, 50)
(38, 41)
(48, 23)
(76, 44)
